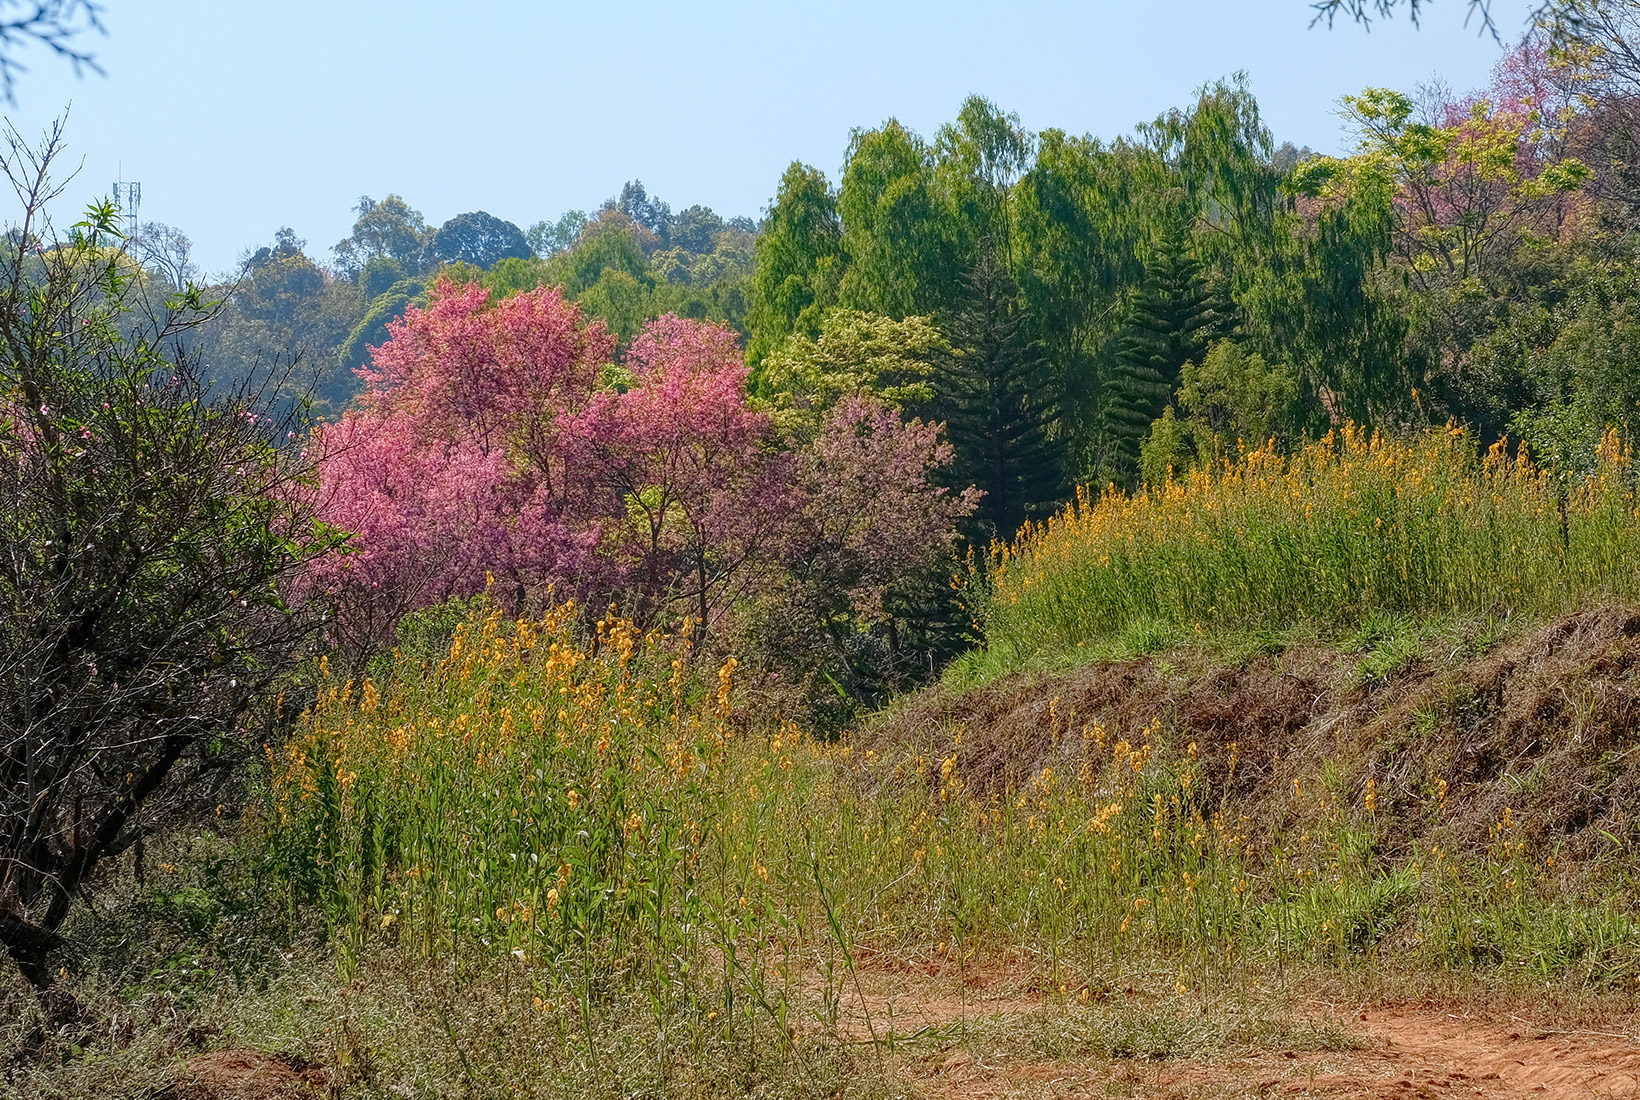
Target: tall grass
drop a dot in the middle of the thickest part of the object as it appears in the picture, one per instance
(589, 812)
(577, 807)
(1349, 525)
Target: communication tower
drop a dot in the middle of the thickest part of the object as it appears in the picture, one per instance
(127, 197)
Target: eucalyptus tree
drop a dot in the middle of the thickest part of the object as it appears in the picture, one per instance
(798, 262)
(894, 232)
(389, 229)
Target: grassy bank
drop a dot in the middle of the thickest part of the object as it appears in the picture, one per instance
(1350, 526)
(647, 883)
(596, 814)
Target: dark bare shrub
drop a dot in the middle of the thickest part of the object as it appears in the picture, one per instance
(149, 528)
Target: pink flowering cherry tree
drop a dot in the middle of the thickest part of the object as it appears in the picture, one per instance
(456, 465)
(501, 440)
(703, 500)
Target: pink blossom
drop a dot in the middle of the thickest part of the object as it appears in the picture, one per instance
(487, 443)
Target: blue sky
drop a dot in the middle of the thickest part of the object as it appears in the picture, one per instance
(239, 118)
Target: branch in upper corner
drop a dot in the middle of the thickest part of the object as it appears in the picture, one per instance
(58, 25)
(1363, 11)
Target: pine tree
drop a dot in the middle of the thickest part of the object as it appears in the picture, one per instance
(1175, 315)
(1000, 404)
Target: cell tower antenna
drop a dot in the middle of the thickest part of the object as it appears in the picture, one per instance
(127, 198)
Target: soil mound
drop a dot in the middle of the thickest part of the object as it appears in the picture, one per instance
(1543, 724)
(249, 1075)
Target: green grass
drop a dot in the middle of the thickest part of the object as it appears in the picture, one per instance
(1348, 528)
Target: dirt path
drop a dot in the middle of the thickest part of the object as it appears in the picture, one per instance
(999, 1033)
(1403, 1054)
(1411, 1053)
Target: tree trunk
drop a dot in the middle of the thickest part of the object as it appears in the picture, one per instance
(30, 947)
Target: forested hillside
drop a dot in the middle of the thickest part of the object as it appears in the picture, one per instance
(1105, 308)
(630, 261)
(1065, 310)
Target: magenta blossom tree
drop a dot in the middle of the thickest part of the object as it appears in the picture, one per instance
(458, 464)
(704, 501)
(872, 514)
(863, 605)
(495, 440)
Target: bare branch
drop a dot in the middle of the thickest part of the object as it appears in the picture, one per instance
(1363, 12)
(58, 25)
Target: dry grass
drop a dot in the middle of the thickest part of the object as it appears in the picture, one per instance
(1539, 720)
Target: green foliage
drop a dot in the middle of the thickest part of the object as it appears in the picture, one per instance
(1217, 159)
(978, 161)
(1572, 366)
(1474, 197)
(1233, 398)
(620, 300)
(389, 229)
(1320, 303)
(1237, 396)
(371, 331)
(694, 229)
(514, 275)
(799, 262)
(613, 279)
(379, 275)
(477, 238)
(1169, 448)
(547, 239)
(284, 309)
(614, 250)
(279, 278)
(1077, 247)
(897, 242)
(727, 257)
(1169, 324)
(855, 354)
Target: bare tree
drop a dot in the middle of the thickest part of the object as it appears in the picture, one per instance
(1593, 47)
(150, 528)
(1599, 40)
(166, 250)
(1363, 12)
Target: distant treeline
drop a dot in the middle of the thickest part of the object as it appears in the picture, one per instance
(1102, 312)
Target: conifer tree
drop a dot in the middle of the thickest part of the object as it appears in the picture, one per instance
(1000, 404)
(1170, 323)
